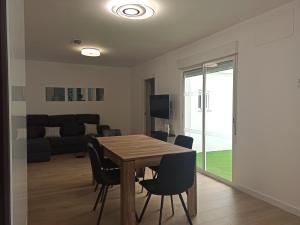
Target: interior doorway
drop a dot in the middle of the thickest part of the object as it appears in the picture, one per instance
(209, 115)
(149, 85)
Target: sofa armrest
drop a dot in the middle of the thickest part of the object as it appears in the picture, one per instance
(101, 128)
(38, 150)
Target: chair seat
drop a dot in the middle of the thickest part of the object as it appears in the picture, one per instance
(150, 185)
(112, 177)
(108, 164)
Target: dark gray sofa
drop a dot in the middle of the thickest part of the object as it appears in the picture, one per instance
(72, 134)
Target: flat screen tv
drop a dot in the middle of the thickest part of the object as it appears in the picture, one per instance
(160, 106)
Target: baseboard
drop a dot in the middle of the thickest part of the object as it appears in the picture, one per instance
(273, 201)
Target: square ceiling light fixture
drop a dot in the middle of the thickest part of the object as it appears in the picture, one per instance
(132, 9)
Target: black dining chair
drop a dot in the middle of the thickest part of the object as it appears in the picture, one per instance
(160, 135)
(180, 140)
(107, 164)
(112, 132)
(175, 176)
(184, 141)
(101, 128)
(106, 178)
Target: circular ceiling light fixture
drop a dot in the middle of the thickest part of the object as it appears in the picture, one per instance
(91, 52)
(130, 9)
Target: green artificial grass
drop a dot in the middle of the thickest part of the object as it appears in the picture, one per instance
(218, 163)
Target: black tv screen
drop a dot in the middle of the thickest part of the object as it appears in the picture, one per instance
(160, 106)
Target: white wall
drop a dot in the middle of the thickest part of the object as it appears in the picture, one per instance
(114, 110)
(17, 111)
(267, 148)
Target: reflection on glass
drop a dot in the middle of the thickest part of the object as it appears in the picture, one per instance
(95, 94)
(76, 94)
(18, 93)
(55, 94)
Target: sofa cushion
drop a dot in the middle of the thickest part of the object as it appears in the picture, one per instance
(72, 129)
(37, 120)
(35, 132)
(88, 118)
(60, 120)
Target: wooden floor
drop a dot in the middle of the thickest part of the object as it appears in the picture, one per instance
(60, 193)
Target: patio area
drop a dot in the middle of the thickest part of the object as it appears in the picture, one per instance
(218, 163)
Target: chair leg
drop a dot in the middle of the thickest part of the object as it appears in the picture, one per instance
(161, 208)
(143, 179)
(102, 206)
(172, 204)
(96, 187)
(185, 210)
(98, 198)
(145, 206)
(102, 196)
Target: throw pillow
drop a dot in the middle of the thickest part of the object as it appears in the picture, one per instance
(52, 132)
(90, 128)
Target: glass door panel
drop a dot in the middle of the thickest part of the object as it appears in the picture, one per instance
(208, 97)
(193, 88)
(218, 118)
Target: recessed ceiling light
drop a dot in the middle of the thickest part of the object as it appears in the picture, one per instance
(91, 52)
(132, 9)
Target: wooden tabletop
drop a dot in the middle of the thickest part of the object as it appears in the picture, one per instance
(132, 147)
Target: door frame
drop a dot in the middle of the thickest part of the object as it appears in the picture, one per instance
(4, 121)
(152, 79)
(233, 57)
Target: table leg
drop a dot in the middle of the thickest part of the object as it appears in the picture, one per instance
(128, 193)
(192, 198)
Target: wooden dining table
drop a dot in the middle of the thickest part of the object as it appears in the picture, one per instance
(133, 152)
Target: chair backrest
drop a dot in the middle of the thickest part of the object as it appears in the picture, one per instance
(112, 132)
(160, 135)
(96, 164)
(184, 141)
(96, 145)
(102, 128)
(176, 173)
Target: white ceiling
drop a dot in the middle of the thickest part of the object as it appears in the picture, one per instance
(51, 24)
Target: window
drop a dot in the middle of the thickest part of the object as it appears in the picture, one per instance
(55, 94)
(76, 94)
(95, 94)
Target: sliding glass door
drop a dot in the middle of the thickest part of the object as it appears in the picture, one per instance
(209, 115)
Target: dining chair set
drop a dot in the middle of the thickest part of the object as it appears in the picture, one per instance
(174, 175)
